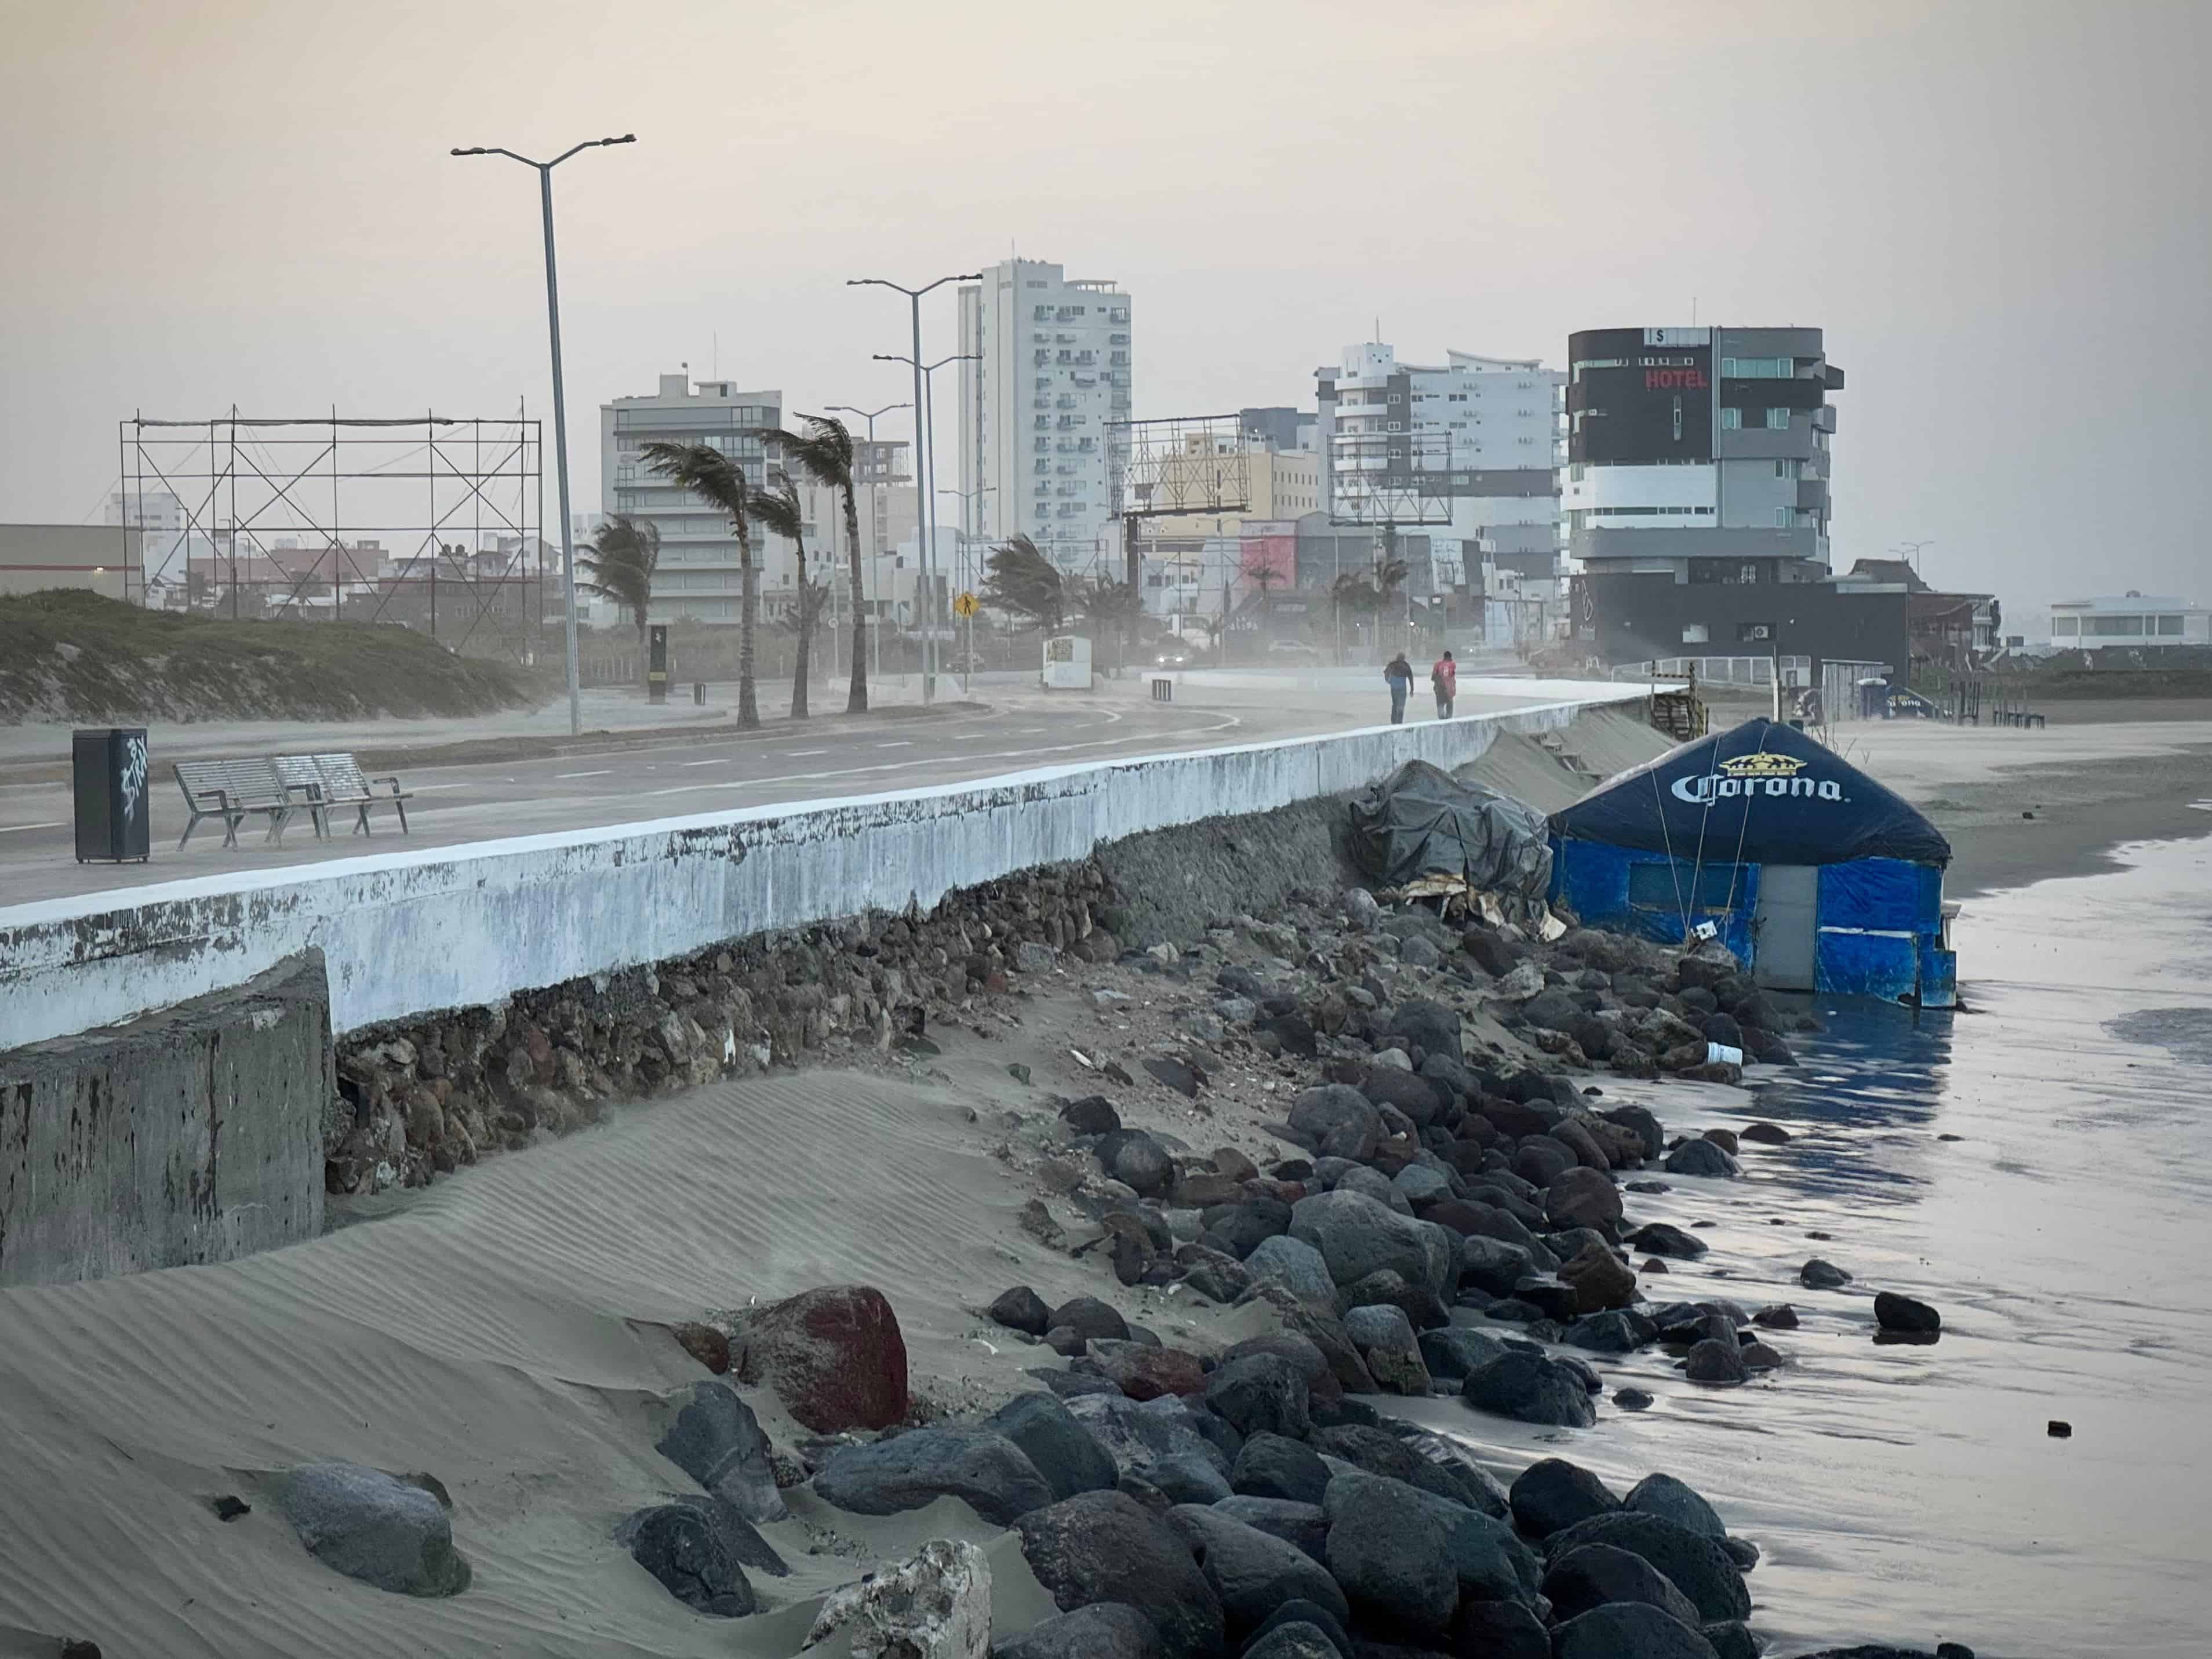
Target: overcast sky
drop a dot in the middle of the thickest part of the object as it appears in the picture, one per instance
(1998, 212)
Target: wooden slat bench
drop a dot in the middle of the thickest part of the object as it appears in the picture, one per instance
(233, 791)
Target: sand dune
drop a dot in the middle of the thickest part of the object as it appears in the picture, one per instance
(505, 1333)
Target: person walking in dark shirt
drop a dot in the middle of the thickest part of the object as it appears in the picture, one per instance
(1399, 675)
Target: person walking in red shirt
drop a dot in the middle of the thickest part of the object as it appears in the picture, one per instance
(1443, 680)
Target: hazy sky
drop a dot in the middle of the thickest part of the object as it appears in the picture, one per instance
(2000, 212)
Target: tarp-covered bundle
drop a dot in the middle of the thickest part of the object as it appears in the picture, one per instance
(1760, 794)
(1421, 821)
(1808, 869)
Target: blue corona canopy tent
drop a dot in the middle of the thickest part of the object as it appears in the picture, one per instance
(1817, 877)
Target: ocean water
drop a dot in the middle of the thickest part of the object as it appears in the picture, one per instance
(1911, 1493)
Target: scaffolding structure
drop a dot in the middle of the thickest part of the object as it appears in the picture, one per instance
(428, 521)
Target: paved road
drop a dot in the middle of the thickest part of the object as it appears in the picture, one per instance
(708, 770)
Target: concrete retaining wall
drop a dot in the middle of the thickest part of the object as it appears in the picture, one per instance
(413, 932)
(192, 1135)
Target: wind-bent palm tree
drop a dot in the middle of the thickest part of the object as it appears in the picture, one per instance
(777, 509)
(823, 452)
(620, 560)
(715, 478)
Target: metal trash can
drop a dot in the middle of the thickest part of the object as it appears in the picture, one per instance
(107, 774)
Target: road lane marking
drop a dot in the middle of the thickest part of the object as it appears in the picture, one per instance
(711, 760)
(801, 754)
(603, 772)
(10, 829)
(903, 742)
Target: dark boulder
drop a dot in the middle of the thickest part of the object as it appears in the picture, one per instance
(1379, 1451)
(1590, 1575)
(393, 1533)
(1454, 1351)
(1093, 1114)
(1819, 1275)
(1629, 1629)
(1428, 1025)
(1103, 1546)
(1494, 1264)
(1022, 1309)
(987, 1471)
(1893, 1312)
(1356, 1236)
(1582, 1197)
(1670, 1499)
(1499, 1630)
(718, 1442)
(1393, 1563)
(1134, 1158)
(1716, 1360)
(1530, 1388)
(1067, 1454)
(1240, 1229)
(1302, 1638)
(1646, 1127)
(1539, 1160)
(1699, 1157)
(683, 1545)
(1300, 1524)
(1188, 1479)
(1252, 1572)
(1696, 1565)
(1104, 1629)
(1275, 1466)
(1145, 1370)
(1261, 1394)
(835, 1357)
(1551, 1494)
(1298, 1611)
(1621, 1330)
(1337, 1120)
(1599, 1278)
(1088, 1317)
(1422, 1100)
(1664, 1238)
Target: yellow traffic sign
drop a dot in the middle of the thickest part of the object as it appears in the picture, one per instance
(966, 606)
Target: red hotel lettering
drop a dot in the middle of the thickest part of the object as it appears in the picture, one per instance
(1675, 380)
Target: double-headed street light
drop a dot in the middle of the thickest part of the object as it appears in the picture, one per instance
(867, 415)
(921, 473)
(928, 373)
(560, 406)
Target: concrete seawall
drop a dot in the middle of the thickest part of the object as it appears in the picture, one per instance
(413, 932)
(193, 1136)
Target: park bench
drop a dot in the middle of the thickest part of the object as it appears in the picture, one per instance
(336, 781)
(233, 791)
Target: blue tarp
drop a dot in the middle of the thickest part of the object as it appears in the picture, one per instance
(1760, 794)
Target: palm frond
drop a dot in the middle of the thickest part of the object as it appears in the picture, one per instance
(704, 471)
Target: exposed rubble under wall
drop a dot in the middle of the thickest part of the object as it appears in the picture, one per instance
(426, 1096)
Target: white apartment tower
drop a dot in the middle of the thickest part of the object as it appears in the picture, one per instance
(1041, 442)
(1480, 431)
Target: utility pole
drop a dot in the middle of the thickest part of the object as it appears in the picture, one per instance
(922, 477)
(560, 402)
(927, 515)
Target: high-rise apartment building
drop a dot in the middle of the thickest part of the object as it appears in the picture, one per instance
(1473, 437)
(1042, 440)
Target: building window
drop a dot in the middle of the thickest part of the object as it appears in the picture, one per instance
(1757, 368)
(1694, 634)
(2069, 626)
(1789, 469)
(2170, 625)
(1731, 420)
(1777, 419)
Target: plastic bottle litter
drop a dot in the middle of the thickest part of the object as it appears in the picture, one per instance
(1723, 1053)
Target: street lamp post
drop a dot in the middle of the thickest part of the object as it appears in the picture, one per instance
(560, 404)
(928, 502)
(921, 476)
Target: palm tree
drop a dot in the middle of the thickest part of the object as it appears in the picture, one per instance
(712, 477)
(823, 452)
(1021, 582)
(1109, 607)
(620, 559)
(777, 508)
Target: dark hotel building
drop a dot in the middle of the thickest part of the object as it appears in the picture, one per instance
(1696, 499)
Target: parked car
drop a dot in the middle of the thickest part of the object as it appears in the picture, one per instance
(1172, 656)
(1296, 649)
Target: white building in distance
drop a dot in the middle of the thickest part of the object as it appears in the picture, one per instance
(2132, 620)
(1041, 449)
(1478, 433)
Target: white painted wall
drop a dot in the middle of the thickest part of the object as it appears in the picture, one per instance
(409, 933)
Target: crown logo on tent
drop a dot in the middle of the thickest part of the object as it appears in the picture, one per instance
(1762, 765)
